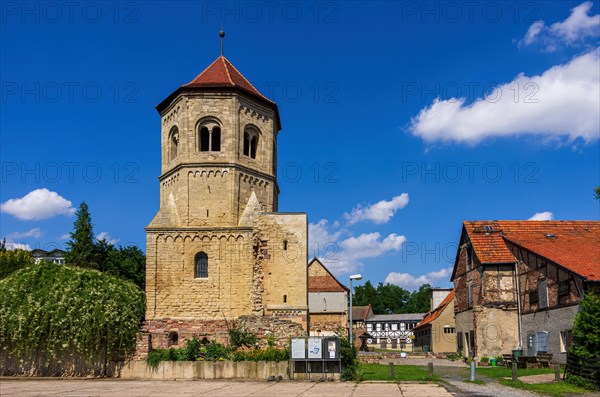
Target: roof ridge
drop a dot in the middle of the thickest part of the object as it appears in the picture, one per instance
(201, 73)
(245, 79)
(223, 59)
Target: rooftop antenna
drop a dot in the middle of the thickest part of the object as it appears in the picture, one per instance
(222, 36)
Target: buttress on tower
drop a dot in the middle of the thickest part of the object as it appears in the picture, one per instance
(217, 250)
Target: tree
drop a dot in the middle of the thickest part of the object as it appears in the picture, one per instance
(82, 249)
(103, 250)
(597, 192)
(128, 263)
(419, 301)
(364, 295)
(389, 298)
(586, 330)
(3, 245)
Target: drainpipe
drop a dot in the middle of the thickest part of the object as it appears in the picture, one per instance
(518, 305)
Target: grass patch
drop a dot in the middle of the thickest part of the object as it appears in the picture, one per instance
(476, 381)
(559, 389)
(503, 372)
(401, 373)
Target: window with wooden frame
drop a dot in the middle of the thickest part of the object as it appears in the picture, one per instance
(564, 290)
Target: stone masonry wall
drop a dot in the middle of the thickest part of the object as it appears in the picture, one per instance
(174, 292)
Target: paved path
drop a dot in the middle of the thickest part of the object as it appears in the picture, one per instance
(134, 388)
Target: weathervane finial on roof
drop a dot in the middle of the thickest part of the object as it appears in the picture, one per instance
(222, 35)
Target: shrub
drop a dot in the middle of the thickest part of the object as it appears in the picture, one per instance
(56, 309)
(239, 336)
(192, 349)
(454, 356)
(485, 359)
(215, 351)
(11, 261)
(349, 358)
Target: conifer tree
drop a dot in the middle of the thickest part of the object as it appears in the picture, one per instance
(586, 331)
(82, 249)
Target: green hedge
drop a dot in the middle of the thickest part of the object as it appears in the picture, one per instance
(57, 309)
(194, 350)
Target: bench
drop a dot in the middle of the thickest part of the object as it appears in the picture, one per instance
(543, 359)
(508, 360)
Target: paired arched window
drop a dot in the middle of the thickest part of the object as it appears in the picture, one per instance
(201, 265)
(209, 135)
(173, 143)
(250, 142)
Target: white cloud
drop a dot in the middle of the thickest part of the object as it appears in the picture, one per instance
(573, 31)
(38, 204)
(342, 252)
(561, 103)
(542, 216)
(409, 281)
(379, 213)
(319, 234)
(106, 237)
(370, 245)
(65, 237)
(35, 233)
(11, 245)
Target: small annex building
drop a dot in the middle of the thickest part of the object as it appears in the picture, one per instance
(327, 301)
(437, 332)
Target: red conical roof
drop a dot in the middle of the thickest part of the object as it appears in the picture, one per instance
(221, 73)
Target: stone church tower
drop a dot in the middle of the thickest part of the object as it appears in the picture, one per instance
(217, 249)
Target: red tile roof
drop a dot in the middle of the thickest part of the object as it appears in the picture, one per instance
(435, 313)
(326, 283)
(221, 73)
(361, 313)
(574, 245)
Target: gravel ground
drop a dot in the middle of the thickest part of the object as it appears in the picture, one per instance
(460, 388)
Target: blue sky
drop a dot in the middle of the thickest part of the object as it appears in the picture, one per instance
(400, 119)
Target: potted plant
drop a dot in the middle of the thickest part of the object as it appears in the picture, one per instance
(484, 362)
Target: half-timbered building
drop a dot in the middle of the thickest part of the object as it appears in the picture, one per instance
(550, 263)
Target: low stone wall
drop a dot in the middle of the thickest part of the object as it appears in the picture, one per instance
(249, 370)
(38, 364)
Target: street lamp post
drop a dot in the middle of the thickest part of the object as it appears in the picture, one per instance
(350, 335)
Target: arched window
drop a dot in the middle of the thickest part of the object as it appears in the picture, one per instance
(285, 244)
(173, 143)
(215, 143)
(209, 135)
(246, 144)
(204, 139)
(201, 265)
(253, 145)
(173, 339)
(251, 136)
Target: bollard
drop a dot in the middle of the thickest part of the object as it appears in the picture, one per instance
(430, 368)
(472, 371)
(557, 372)
(514, 370)
(391, 370)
